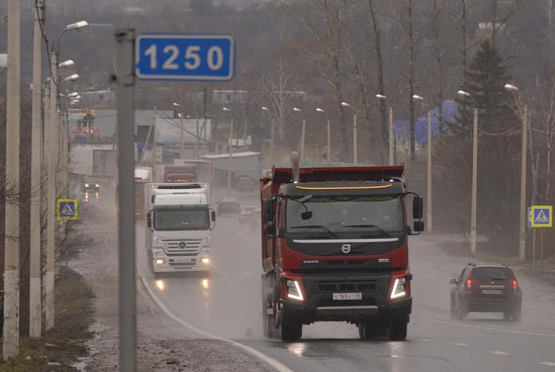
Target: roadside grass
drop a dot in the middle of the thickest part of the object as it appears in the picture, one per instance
(58, 349)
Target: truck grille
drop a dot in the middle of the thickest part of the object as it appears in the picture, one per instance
(183, 247)
(354, 285)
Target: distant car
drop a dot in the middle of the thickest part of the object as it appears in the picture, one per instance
(90, 184)
(246, 214)
(228, 207)
(245, 183)
(485, 288)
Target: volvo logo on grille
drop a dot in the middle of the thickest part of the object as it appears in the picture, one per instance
(182, 245)
(346, 248)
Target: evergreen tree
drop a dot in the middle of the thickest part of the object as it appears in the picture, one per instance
(485, 81)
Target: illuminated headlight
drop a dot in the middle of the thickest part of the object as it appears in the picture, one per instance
(399, 288)
(205, 260)
(160, 261)
(97, 185)
(86, 185)
(294, 290)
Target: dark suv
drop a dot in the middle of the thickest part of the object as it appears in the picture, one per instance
(486, 289)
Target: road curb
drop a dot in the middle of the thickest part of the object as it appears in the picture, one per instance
(255, 353)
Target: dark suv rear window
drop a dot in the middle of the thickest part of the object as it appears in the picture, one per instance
(491, 273)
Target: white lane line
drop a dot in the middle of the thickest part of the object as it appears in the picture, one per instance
(492, 328)
(425, 340)
(458, 344)
(548, 364)
(274, 363)
(498, 352)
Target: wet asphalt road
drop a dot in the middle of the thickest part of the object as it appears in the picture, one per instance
(227, 304)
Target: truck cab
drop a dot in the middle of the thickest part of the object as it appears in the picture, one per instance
(335, 248)
(179, 221)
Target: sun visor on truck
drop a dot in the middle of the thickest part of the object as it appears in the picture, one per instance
(330, 174)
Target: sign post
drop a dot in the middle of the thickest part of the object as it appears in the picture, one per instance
(539, 216)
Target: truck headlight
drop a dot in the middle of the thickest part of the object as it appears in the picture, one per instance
(399, 288)
(86, 185)
(160, 261)
(97, 185)
(294, 290)
(205, 260)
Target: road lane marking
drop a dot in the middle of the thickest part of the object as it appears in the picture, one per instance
(425, 340)
(493, 328)
(498, 352)
(458, 344)
(548, 364)
(272, 362)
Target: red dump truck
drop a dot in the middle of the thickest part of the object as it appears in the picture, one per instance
(335, 248)
(180, 173)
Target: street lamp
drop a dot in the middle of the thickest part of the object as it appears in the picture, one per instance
(303, 134)
(391, 132)
(328, 133)
(182, 141)
(417, 98)
(474, 174)
(522, 237)
(429, 166)
(355, 138)
(230, 151)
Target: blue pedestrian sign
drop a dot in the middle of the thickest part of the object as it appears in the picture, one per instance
(185, 57)
(66, 209)
(541, 216)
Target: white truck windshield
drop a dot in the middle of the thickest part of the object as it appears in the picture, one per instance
(338, 214)
(175, 220)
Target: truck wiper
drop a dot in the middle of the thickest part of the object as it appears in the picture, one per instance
(372, 226)
(316, 227)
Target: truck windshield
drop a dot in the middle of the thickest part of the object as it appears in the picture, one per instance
(370, 214)
(172, 220)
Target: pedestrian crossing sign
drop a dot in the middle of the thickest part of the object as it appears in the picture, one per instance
(542, 216)
(66, 209)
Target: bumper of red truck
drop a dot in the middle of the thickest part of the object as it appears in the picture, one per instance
(322, 307)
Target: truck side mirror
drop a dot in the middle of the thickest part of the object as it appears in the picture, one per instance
(149, 220)
(417, 208)
(418, 226)
(213, 215)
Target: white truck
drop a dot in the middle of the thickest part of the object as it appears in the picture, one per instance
(179, 221)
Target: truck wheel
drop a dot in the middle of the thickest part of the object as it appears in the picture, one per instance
(398, 328)
(372, 329)
(290, 329)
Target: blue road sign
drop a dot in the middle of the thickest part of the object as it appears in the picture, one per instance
(66, 209)
(542, 216)
(185, 57)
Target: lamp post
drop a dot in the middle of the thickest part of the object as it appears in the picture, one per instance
(303, 134)
(272, 134)
(522, 232)
(65, 133)
(328, 134)
(182, 141)
(230, 145)
(474, 173)
(391, 132)
(355, 139)
(429, 167)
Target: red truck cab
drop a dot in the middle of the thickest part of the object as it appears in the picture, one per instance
(334, 248)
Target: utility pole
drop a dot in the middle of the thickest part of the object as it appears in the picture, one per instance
(246, 128)
(182, 139)
(429, 186)
(474, 183)
(355, 139)
(35, 316)
(11, 283)
(125, 81)
(391, 138)
(51, 224)
(197, 139)
(230, 156)
(303, 134)
(329, 140)
(522, 235)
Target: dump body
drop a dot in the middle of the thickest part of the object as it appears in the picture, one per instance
(334, 248)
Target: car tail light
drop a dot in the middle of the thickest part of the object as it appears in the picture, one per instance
(468, 284)
(515, 284)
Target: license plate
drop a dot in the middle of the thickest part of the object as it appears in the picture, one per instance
(347, 296)
(491, 291)
(182, 260)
